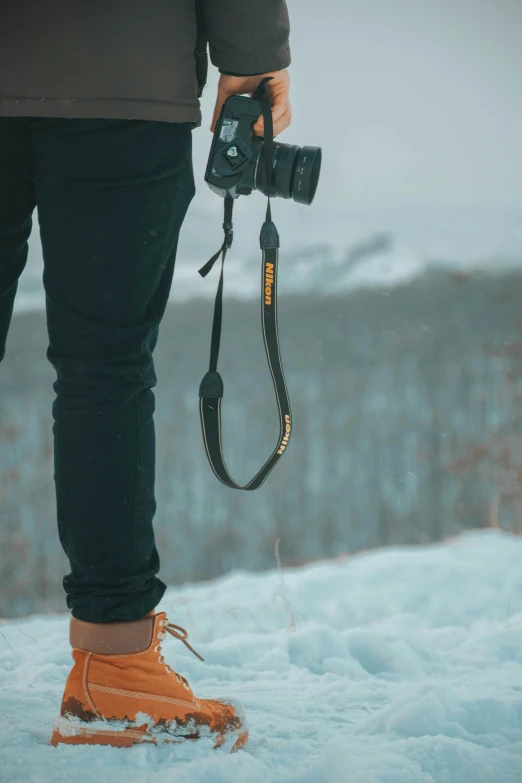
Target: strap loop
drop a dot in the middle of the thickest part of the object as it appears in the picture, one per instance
(211, 385)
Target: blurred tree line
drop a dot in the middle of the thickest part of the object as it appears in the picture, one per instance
(406, 408)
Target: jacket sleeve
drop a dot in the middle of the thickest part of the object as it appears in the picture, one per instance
(247, 37)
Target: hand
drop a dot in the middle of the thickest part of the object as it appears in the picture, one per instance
(276, 92)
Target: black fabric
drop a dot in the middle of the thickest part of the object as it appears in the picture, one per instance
(111, 197)
(134, 59)
(247, 37)
(229, 73)
(268, 138)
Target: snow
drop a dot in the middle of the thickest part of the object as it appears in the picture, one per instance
(405, 666)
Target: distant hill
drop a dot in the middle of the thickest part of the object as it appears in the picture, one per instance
(406, 406)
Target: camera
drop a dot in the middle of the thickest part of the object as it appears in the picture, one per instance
(236, 164)
(240, 162)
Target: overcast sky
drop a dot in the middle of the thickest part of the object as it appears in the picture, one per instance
(415, 102)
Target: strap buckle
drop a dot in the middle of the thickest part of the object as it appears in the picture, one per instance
(229, 235)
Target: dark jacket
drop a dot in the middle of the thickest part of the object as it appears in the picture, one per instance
(131, 59)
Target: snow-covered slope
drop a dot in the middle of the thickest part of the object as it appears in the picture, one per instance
(405, 667)
(324, 251)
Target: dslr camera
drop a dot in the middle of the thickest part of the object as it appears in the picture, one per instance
(240, 162)
(236, 164)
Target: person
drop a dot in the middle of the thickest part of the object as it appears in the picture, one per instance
(98, 102)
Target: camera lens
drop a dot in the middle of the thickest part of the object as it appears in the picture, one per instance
(295, 172)
(306, 176)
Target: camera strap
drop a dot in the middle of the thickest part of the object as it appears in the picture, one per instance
(211, 387)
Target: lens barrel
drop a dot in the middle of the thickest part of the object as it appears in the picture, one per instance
(295, 172)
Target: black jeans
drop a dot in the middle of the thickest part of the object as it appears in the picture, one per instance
(111, 198)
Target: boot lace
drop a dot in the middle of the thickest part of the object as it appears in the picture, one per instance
(173, 629)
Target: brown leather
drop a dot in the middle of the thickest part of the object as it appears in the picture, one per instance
(114, 638)
(148, 701)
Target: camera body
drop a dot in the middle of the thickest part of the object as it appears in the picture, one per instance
(235, 150)
(236, 163)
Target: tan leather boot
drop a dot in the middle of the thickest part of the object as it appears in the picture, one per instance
(120, 691)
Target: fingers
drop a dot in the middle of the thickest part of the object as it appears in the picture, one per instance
(276, 92)
(217, 112)
(281, 121)
(231, 85)
(220, 100)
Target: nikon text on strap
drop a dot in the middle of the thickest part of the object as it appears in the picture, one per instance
(211, 387)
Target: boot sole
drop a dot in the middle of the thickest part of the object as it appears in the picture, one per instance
(84, 735)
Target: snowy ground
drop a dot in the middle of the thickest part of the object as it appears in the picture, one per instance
(405, 667)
